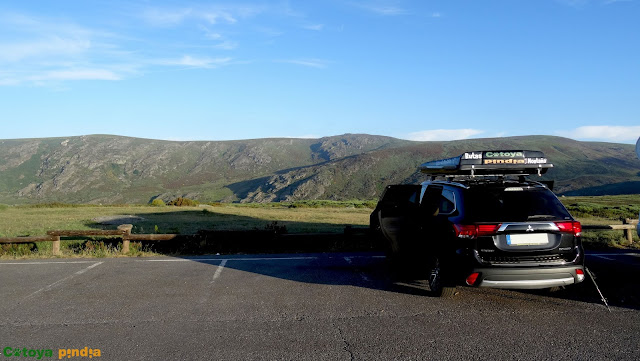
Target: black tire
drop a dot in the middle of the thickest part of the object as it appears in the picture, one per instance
(438, 285)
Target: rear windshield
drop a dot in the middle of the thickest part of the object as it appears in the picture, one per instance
(514, 205)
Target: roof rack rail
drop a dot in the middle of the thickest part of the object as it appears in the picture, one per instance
(489, 163)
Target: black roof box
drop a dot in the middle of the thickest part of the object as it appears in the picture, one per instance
(502, 162)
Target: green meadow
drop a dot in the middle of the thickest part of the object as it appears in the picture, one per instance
(297, 217)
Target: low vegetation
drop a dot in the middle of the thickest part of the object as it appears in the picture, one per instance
(602, 210)
(157, 203)
(183, 202)
(295, 217)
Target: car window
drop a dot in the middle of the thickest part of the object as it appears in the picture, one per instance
(514, 205)
(447, 202)
(430, 204)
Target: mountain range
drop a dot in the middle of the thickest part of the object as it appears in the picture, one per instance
(110, 169)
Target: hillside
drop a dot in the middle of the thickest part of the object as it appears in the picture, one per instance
(112, 169)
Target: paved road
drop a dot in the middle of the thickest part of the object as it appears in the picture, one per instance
(303, 307)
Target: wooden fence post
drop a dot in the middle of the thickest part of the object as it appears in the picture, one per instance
(126, 236)
(56, 246)
(629, 232)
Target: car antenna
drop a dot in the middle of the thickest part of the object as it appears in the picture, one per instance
(597, 288)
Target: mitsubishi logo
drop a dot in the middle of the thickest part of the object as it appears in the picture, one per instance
(529, 228)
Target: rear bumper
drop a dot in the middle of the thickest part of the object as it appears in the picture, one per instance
(529, 278)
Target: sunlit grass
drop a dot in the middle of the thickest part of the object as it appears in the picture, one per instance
(300, 217)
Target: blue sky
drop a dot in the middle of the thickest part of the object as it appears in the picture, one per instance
(421, 70)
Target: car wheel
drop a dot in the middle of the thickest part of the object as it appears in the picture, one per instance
(437, 284)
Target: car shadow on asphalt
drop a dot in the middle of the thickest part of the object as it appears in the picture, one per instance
(372, 271)
(619, 282)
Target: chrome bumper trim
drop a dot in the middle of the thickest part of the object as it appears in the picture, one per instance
(528, 284)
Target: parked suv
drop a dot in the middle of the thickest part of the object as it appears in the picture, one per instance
(479, 222)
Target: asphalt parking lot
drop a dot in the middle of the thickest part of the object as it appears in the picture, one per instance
(304, 307)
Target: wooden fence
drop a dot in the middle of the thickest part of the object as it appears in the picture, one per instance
(629, 228)
(124, 231)
(353, 238)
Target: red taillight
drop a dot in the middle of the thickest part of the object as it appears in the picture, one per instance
(472, 231)
(570, 227)
(465, 231)
(487, 229)
(471, 280)
(580, 274)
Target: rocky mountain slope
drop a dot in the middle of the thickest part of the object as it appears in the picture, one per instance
(113, 169)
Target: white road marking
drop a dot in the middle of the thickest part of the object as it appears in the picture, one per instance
(362, 275)
(613, 254)
(603, 257)
(88, 268)
(52, 262)
(47, 288)
(219, 270)
(228, 259)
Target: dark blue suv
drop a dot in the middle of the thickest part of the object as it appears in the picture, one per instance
(481, 227)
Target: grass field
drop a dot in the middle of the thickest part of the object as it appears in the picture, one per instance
(37, 220)
(301, 217)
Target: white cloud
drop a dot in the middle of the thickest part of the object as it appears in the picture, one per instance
(190, 61)
(443, 134)
(386, 10)
(166, 17)
(77, 74)
(226, 45)
(381, 7)
(209, 14)
(269, 31)
(314, 27)
(45, 48)
(213, 17)
(49, 50)
(312, 63)
(615, 133)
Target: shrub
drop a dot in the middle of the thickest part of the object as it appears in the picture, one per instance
(157, 203)
(602, 211)
(56, 205)
(17, 250)
(183, 202)
(332, 204)
(603, 239)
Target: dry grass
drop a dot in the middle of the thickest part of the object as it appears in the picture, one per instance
(36, 221)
